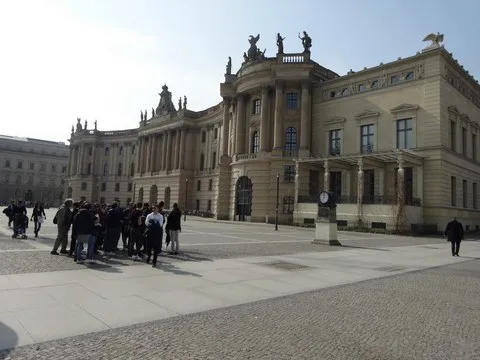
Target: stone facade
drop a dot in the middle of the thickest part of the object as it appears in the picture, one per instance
(403, 135)
(32, 169)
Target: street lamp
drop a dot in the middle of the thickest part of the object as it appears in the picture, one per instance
(185, 205)
(276, 209)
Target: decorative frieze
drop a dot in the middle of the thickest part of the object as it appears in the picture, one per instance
(461, 86)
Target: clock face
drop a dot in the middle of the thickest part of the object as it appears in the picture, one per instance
(323, 197)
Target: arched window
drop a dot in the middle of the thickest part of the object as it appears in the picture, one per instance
(105, 169)
(291, 139)
(255, 145)
(119, 169)
(202, 162)
(132, 169)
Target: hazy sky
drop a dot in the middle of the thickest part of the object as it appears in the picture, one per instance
(108, 59)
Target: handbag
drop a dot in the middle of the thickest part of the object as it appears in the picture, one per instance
(40, 219)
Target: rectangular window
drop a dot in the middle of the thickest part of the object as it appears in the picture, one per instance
(465, 193)
(209, 205)
(210, 184)
(215, 133)
(199, 185)
(32, 166)
(474, 147)
(453, 135)
(7, 164)
(64, 169)
(336, 183)
(367, 138)
(404, 134)
(288, 203)
(292, 101)
(335, 140)
(204, 136)
(43, 167)
(197, 205)
(89, 169)
(54, 168)
(474, 195)
(84, 186)
(19, 165)
(255, 142)
(362, 87)
(464, 141)
(103, 187)
(289, 173)
(214, 160)
(90, 151)
(133, 149)
(256, 107)
(129, 187)
(107, 150)
(368, 186)
(453, 191)
(117, 187)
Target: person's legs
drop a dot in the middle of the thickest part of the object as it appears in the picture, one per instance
(453, 247)
(457, 247)
(148, 248)
(131, 243)
(73, 242)
(79, 250)
(91, 248)
(59, 239)
(63, 250)
(157, 248)
(174, 240)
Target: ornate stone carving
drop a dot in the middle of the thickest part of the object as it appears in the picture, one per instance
(185, 102)
(384, 79)
(85, 125)
(435, 39)
(180, 103)
(153, 112)
(306, 41)
(95, 124)
(79, 125)
(73, 129)
(254, 52)
(165, 106)
(280, 43)
(228, 68)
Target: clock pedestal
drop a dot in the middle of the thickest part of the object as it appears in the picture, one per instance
(326, 226)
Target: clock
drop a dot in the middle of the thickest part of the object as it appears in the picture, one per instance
(324, 197)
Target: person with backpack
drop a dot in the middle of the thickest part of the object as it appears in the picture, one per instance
(153, 234)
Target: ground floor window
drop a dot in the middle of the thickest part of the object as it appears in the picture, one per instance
(288, 204)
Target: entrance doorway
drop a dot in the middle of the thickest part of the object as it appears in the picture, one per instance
(243, 198)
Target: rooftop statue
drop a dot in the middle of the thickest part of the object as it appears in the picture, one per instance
(153, 112)
(79, 125)
(306, 41)
(252, 53)
(229, 66)
(95, 124)
(165, 105)
(85, 127)
(280, 43)
(145, 115)
(185, 102)
(435, 39)
(180, 103)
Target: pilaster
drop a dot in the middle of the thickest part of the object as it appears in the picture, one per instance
(240, 125)
(326, 176)
(182, 149)
(225, 127)
(278, 129)
(305, 123)
(264, 120)
(169, 151)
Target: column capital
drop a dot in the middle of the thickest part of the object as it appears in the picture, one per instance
(400, 162)
(227, 100)
(279, 84)
(360, 165)
(265, 89)
(306, 85)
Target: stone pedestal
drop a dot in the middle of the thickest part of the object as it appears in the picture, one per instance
(326, 227)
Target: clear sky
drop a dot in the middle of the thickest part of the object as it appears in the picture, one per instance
(108, 59)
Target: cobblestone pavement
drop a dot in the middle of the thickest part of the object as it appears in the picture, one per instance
(14, 244)
(432, 314)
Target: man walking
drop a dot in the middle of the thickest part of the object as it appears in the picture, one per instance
(173, 227)
(63, 220)
(454, 233)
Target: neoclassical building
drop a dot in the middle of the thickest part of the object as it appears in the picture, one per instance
(396, 143)
(32, 169)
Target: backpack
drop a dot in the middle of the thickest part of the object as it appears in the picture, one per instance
(55, 221)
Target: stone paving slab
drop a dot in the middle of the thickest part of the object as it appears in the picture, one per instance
(430, 315)
(120, 296)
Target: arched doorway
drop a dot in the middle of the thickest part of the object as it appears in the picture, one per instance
(70, 192)
(166, 198)
(243, 198)
(140, 195)
(153, 194)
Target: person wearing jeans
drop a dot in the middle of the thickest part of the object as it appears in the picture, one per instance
(84, 227)
(174, 227)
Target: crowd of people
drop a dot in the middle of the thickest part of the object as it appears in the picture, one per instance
(16, 212)
(141, 227)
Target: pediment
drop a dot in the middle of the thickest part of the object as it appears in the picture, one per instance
(404, 107)
(336, 120)
(366, 114)
(454, 110)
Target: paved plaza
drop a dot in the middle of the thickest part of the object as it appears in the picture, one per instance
(243, 291)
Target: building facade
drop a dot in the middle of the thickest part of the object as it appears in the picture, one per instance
(396, 143)
(32, 169)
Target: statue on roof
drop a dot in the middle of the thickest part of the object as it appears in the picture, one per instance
(85, 127)
(79, 125)
(435, 39)
(153, 112)
(95, 125)
(184, 102)
(145, 115)
(141, 115)
(252, 53)
(73, 129)
(280, 43)
(180, 103)
(306, 41)
(165, 106)
(229, 66)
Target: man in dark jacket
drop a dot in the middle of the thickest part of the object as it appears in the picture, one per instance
(454, 233)
(136, 234)
(73, 236)
(174, 227)
(83, 227)
(63, 220)
(113, 225)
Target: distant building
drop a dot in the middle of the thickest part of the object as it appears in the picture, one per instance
(32, 169)
(397, 143)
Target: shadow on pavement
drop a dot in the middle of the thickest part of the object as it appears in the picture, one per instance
(8, 341)
(171, 268)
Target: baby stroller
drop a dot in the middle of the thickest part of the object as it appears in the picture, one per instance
(20, 227)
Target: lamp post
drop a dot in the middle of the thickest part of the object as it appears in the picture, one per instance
(185, 205)
(276, 209)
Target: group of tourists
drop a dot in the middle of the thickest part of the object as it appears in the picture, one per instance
(142, 228)
(16, 212)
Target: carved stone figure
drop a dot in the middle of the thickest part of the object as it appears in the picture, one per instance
(165, 106)
(435, 39)
(95, 124)
(253, 50)
(141, 115)
(85, 127)
(352, 87)
(73, 129)
(306, 41)
(384, 79)
(79, 125)
(229, 66)
(180, 103)
(280, 43)
(185, 102)
(245, 57)
(153, 112)
(420, 71)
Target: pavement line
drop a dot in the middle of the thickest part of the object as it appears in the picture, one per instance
(218, 235)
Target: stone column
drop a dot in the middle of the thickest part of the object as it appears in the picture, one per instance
(181, 156)
(400, 181)
(158, 154)
(278, 130)
(305, 124)
(240, 126)
(360, 190)
(177, 149)
(70, 159)
(381, 182)
(169, 152)
(233, 127)
(225, 127)
(264, 120)
(297, 185)
(72, 164)
(153, 155)
(94, 160)
(164, 152)
(80, 160)
(326, 176)
(420, 183)
(138, 150)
